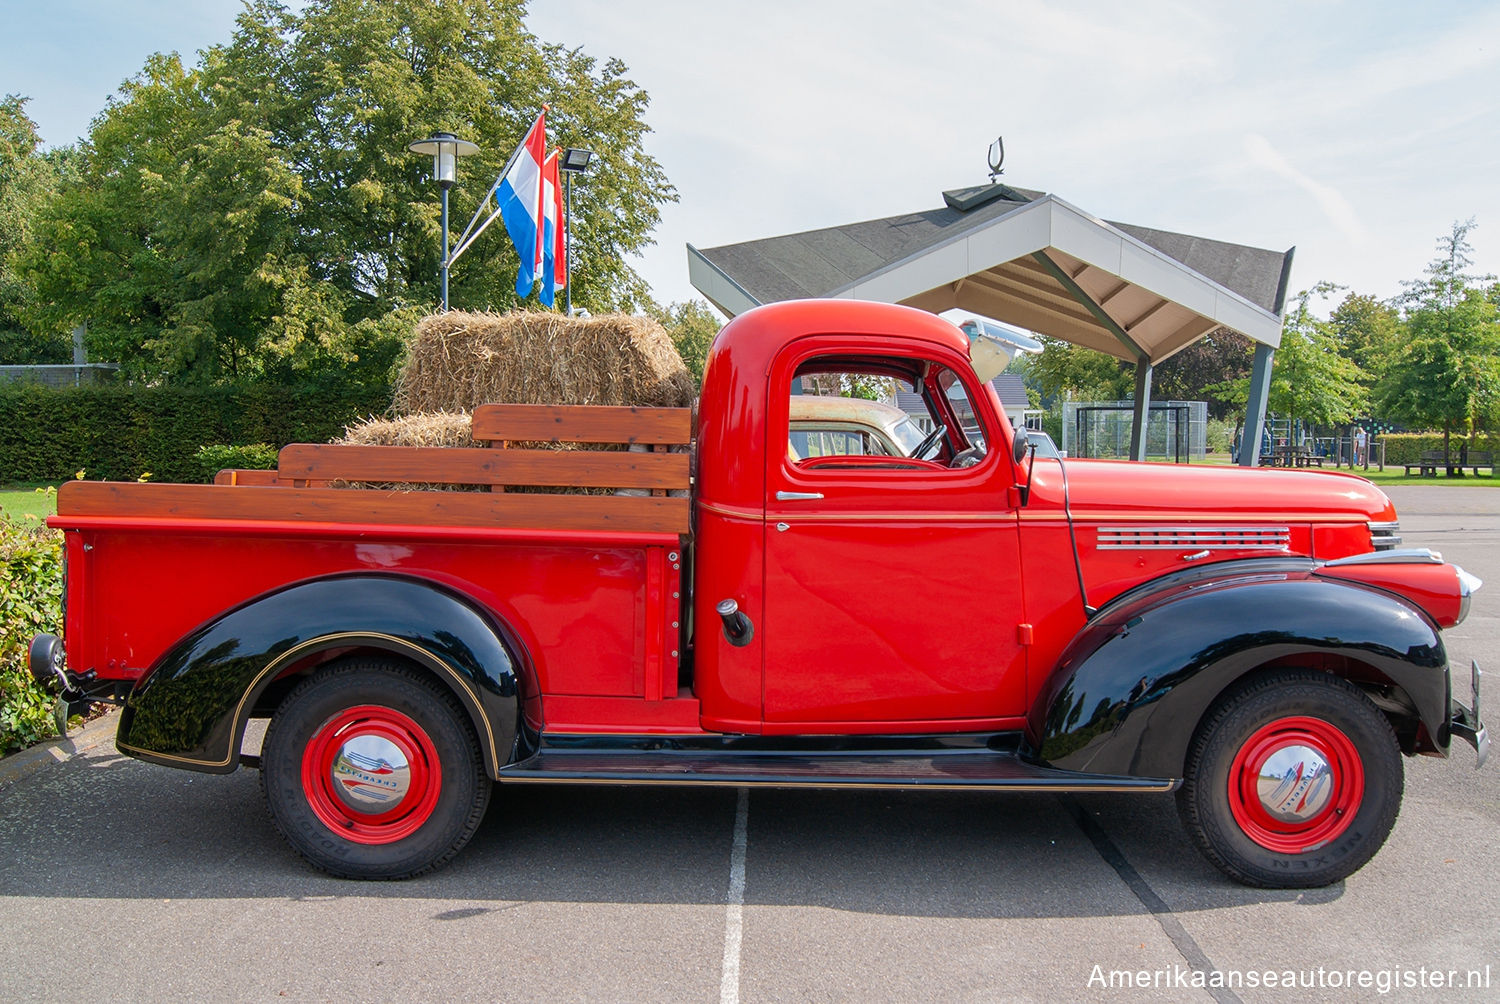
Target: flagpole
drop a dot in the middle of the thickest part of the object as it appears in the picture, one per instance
(464, 244)
(488, 195)
(567, 226)
(493, 185)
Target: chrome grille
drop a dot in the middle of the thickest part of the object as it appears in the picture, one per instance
(1385, 536)
(1229, 538)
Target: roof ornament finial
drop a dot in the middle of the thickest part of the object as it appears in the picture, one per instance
(997, 157)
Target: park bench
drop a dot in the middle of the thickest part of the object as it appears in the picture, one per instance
(1283, 457)
(1428, 465)
(1478, 459)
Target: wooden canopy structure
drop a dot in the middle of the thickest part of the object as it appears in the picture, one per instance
(1035, 261)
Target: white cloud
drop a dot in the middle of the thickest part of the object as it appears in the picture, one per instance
(1333, 204)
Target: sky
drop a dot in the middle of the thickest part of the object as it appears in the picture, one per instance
(1358, 132)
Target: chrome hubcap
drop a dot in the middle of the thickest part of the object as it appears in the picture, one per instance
(371, 774)
(1295, 783)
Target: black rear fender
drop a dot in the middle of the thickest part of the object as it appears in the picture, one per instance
(1129, 692)
(190, 708)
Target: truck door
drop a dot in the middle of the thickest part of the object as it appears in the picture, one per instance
(892, 587)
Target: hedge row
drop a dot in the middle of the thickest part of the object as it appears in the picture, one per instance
(1407, 447)
(30, 603)
(121, 432)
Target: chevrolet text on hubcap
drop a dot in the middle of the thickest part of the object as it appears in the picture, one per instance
(371, 775)
(1295, 785)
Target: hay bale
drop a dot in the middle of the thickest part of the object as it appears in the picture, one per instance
(444, 428)
(460, 360)
(441, 428)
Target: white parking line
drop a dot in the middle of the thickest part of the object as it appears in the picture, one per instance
(734, 910)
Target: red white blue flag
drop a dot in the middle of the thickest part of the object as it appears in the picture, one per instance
(554, 270)
(560, 261)
(519, 196)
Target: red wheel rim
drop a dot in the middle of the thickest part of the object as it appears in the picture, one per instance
(1296, 784)
(371, 775)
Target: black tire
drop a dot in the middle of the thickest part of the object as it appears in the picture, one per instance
(371, 770)
(1311, 827)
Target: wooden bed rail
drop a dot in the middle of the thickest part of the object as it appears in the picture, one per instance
(545, 423)
(316, 471)
(455, 466)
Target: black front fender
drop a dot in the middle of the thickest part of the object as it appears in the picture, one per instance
(190, 708)
(1129, 692)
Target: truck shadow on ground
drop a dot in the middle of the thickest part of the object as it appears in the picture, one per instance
(106, 827)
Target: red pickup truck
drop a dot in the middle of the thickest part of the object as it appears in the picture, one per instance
(965, 616)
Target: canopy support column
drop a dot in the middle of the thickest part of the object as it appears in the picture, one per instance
(1255, 405)
(1260, 375)
(1142, 408)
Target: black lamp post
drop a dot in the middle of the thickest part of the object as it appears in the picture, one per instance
(445, 149)
(574, 161)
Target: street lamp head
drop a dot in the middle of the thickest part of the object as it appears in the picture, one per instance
(574, 159)
(444, 148)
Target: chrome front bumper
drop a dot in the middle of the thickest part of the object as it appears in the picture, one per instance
(1466, 724)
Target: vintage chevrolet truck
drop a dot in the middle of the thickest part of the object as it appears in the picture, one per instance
(964, 616)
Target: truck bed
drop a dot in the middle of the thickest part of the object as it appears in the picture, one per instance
(590, 584)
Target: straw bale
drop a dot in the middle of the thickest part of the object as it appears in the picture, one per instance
(443, 428)
(440, 428)
(460, 360)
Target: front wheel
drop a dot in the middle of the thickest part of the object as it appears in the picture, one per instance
(1293, 780)
(371, 771)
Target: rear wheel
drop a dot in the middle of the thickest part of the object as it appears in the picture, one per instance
(1293, 780)
(370, 770)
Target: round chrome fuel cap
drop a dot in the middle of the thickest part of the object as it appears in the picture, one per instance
(1295, 783)
(371, 774)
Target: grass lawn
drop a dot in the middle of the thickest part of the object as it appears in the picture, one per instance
(1394, 474)
(18, 501)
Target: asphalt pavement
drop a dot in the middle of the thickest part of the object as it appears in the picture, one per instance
(124, 881)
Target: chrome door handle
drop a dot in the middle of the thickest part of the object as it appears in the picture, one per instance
(797, 496)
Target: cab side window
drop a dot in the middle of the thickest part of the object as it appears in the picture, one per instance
(883, 413)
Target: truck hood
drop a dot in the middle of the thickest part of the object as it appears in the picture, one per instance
(1118, 488)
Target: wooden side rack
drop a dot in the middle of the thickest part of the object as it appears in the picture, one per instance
(322, 479)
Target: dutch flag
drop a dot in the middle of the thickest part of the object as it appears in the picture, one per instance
(519, 196)
(554, 271)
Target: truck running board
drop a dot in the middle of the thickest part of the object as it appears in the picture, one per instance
(976, 769)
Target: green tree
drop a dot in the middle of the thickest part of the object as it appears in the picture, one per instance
(28, 179)
(692, 325)
(1310, 380)
(1369, 333)
(179, 245)
(1065, 370)
(1198, 371)
(1447, 374)
(257, 215)
(345, 85)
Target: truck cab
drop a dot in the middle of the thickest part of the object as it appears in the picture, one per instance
(857, 544)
